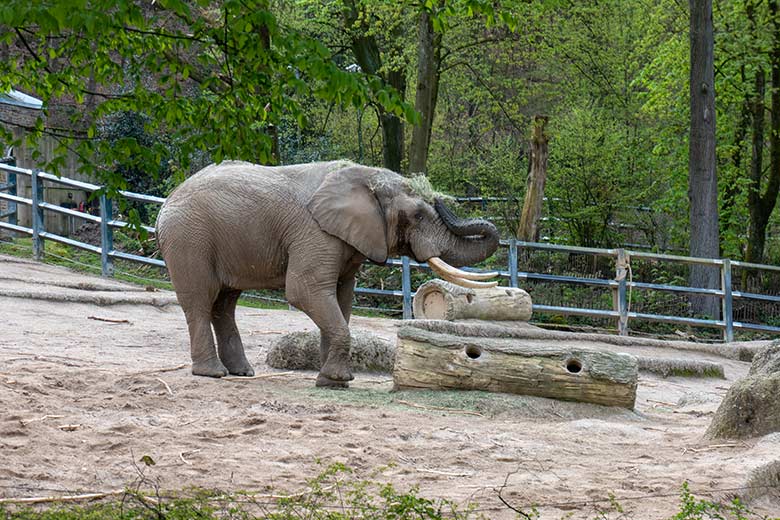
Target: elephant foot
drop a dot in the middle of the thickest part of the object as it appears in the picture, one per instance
(336, 372)
(247, 371)
(242, 368)
(211, 368)
(326, 382)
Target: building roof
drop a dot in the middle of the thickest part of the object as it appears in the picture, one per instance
(20, 99)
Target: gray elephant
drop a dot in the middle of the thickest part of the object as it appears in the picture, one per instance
(306, 228)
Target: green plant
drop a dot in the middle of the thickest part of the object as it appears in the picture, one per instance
(692, 508)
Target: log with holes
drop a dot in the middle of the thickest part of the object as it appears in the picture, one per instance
(426, 359)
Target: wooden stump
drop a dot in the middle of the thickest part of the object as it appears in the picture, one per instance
(441, 300)
(431, 360)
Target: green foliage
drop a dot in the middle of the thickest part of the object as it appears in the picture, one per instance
(155, 90)
(336, 494)
(214, 80)
(692, 508)
(590, 177)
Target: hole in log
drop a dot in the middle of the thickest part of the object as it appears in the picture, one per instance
(574, 366)
(469, 297)
(473, 351)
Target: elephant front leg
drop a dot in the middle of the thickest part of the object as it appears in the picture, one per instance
(324, 310)
(345, 290)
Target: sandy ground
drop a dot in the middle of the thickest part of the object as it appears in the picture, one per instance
(82, 399)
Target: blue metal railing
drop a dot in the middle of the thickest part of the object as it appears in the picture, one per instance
(619, 285)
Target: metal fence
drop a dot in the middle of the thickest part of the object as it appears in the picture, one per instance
(611, 269)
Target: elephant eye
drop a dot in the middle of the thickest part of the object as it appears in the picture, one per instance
(418, 216)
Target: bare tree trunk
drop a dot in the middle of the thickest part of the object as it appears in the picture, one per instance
(702, 177)
(528, 230)
(428, 63)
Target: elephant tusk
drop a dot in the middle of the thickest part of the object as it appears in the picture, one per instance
(441, 267)
(472, 284)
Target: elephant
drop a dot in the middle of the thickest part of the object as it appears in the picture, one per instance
(307, 228)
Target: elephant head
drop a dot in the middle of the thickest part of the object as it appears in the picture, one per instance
(381, 214)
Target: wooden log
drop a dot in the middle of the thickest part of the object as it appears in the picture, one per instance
(431, 360)
(441, 300)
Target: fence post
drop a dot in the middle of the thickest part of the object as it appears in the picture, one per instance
(37, 215)
(728, 316)
(513, 262)
(621, 272)
(406, 287)
(106, 236)
(10, 179)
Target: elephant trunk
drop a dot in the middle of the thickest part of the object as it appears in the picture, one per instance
(472, 240)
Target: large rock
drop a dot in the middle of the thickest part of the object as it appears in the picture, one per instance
(751, 407)
(763, 484)
(766, 360)
(301, 351)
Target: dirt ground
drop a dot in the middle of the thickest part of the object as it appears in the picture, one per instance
(83, 399)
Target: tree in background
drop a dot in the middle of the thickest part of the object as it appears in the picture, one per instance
(703, 180)
(222, 80)
(217, 78)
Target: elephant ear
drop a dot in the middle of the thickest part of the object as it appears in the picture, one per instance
(344, 206)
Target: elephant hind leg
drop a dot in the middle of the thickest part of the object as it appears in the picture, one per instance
(204, 354)
(229, 346)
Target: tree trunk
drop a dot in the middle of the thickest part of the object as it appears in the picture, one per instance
(368, 56)
(758, 221)
(773, 184)
(441, 300)
(761, 205)
(528, 230)
(702, 177)
(733, 189)
(393, 126)
(273, 131)
(428, 64)
(426, 359)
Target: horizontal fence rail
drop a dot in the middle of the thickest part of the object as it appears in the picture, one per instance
(620, 285)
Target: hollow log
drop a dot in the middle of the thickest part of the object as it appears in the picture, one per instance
(442, 300)
(431, 360)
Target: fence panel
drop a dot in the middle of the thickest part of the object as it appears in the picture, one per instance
(615, 286)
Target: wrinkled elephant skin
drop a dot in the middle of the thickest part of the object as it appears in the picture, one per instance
(306, 228)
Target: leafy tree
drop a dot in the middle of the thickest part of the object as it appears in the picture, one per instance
(218, 79)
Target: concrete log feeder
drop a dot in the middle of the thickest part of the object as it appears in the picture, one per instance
(441, 300)
(433, 360)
